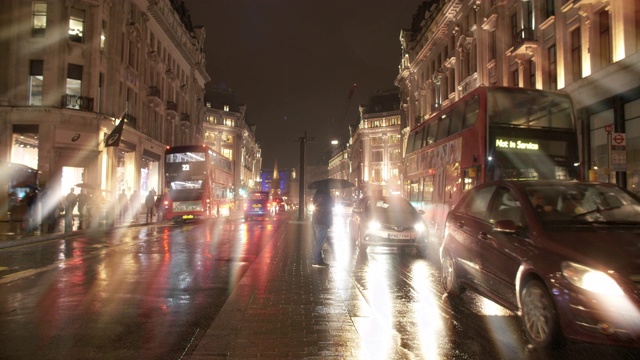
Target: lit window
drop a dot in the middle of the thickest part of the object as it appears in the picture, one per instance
(35, 82)
(74, 85)
(103, 35)
(226, 108)
(76, 25)
(376, 156)
(39, 19)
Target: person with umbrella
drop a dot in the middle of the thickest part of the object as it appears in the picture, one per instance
(69, 204)
(322, 220)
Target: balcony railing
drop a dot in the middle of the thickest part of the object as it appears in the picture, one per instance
(524, 37)
(82, 103)
(153, 95)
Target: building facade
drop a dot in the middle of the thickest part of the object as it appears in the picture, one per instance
(587, 48)
(70, 69)
(376, 146)
(227, 131)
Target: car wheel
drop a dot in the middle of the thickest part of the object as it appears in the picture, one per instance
(450, 277)
(539, 316)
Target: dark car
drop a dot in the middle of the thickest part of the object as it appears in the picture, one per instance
(387, 221)
(564, 255)
(259, 205)
(280, 203)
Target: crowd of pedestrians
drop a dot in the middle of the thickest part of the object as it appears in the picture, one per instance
(86, 208)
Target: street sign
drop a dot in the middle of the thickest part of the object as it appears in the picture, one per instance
(618, 139)
(311, 139)
(619, 160)
(608, 128)
(618, 152)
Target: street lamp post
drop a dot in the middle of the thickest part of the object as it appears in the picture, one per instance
(301, 201)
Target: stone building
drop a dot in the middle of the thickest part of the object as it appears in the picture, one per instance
(70, 69)
(376, 146)
(227, 131)
(586, 48)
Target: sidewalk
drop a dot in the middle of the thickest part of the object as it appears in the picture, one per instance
(283, 308)
(16, 233)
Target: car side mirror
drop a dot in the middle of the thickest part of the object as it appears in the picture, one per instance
(505, 226)
(421, 212)
(356, 210)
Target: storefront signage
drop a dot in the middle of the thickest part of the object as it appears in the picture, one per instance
(76, 138)
(527, 145)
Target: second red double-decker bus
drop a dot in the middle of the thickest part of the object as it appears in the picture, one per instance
(491, 133)
(199, 182)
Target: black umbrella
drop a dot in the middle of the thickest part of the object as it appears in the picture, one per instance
(86, 186)
(331, 184)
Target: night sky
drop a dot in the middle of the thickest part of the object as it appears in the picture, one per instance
(293, 64)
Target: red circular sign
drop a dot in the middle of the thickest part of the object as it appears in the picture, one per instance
(618, 139)
(608, 128)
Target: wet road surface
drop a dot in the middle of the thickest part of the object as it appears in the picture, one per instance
(151, 293)
(133, 294)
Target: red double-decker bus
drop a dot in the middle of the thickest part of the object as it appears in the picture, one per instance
(491, 133)
(199, 182)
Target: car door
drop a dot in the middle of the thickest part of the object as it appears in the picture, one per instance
(463, 226)
(501, 253)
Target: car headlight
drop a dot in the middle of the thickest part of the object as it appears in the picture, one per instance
(590, 279)
(420, 227)
(374, 225)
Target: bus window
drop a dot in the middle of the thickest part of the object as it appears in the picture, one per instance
(431, 136)
(457, 116)
(410, 140)
(471, 111)
(418, 140)
(443, 127)
(470, 178)
(413, 191)
(561, 117)
(427, 188)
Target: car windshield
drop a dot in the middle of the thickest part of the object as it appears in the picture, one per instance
(391, 205)
(580, 202)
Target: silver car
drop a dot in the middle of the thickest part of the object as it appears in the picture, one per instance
(387, 221)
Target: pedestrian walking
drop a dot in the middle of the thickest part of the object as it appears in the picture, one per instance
(134, 205)
(322, 220)
(31, 200)
(159, 207)
(150, 202)
(123, 202)
(82, 203)
(70, 202)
